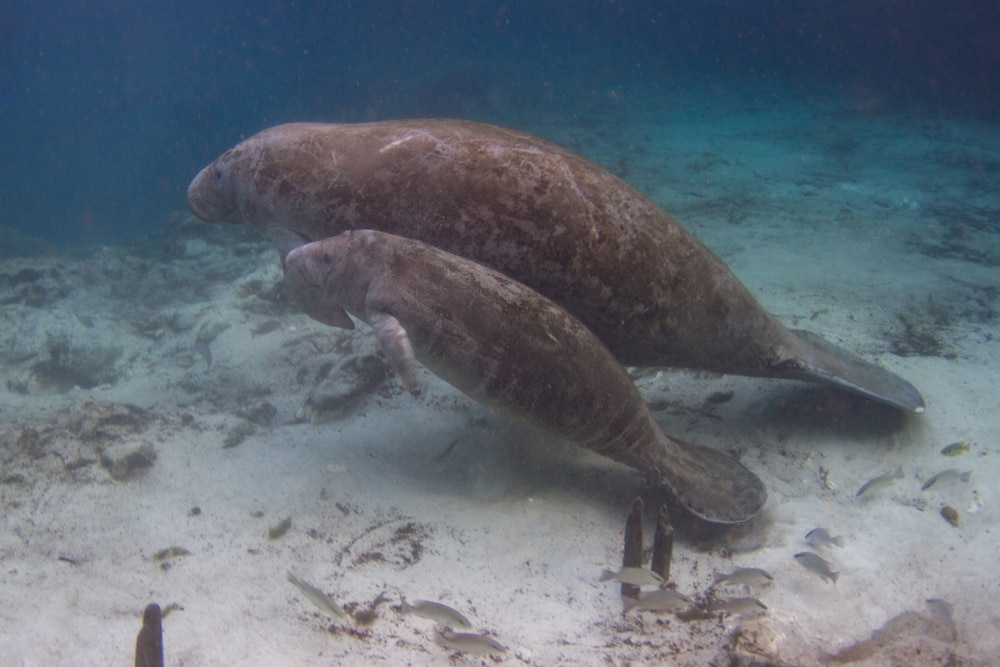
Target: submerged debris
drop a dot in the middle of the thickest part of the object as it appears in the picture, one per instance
(238, 433)
(265, 328)
(124, 459)
(343, 386)
(633, 550)
(663, 544)
(149, 642)
(363, 617)
(170, 552)
(824, 477)
(172, 607)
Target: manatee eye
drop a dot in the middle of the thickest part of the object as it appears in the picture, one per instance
(218, 175)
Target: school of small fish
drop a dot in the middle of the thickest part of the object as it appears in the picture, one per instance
(661, 599)
(444, 616)
(821, 538)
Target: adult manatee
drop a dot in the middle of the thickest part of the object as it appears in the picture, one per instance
(548, 218)
(512, 349)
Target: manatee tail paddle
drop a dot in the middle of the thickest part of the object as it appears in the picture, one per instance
(711, 484)
(819, 360)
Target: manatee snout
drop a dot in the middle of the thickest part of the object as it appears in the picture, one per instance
(301, 268)
(206, 196)
(307, 272)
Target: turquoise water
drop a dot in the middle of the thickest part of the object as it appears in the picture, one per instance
(165, 406)
(107, 109)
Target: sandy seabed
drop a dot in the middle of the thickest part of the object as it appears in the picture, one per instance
(164, 409)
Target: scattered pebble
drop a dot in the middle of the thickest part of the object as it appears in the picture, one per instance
(171, 552)
(278, 531)
(950, 514)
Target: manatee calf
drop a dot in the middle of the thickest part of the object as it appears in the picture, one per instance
(514, 350)
(546, 217)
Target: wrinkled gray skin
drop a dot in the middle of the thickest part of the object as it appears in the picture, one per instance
(510, 348)
(548, 218)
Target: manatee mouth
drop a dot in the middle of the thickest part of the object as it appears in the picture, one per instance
(206, 203)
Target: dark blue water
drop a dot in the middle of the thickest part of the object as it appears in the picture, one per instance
(107, 109)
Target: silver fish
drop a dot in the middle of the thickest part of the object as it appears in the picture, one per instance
(437, 612)
(266, 328)
(322, 601)
(880, 482)
(637, 576)
(738, 606)
(949, 475)
(819, 537)
(658, 600)
(205, 351)
(817, 565)
(468, 642)
(747, 576)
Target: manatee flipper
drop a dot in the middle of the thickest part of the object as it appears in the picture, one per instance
(712, 484)
(821, 361)
(395, 343)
